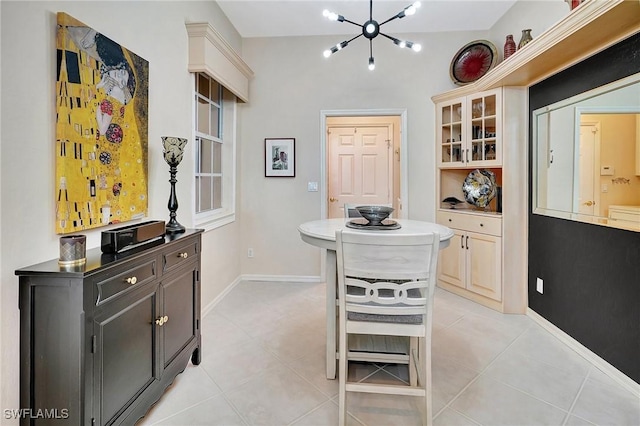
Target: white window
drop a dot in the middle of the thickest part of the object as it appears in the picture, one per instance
(215, 119)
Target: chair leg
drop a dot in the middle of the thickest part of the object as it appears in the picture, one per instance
(413, 366)
(342, 378)
(425, 362)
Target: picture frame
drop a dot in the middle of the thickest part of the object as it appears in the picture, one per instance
(102, 128)
(280, 157)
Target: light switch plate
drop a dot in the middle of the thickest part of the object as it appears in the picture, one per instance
(312, 187)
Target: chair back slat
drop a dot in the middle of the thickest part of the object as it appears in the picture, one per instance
(386, 274)
(386, 293)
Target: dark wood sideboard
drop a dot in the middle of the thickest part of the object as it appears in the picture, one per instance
(99, 343)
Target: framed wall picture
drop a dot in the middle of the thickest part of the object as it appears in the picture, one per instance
(280, 157)
(101, 130)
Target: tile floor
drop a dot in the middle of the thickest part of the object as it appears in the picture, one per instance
(263, 364)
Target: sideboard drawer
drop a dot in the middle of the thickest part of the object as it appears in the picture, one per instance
(484, 224)
(172, 259)
(113, 285)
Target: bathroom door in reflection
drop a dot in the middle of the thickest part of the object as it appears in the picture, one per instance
(589, 199)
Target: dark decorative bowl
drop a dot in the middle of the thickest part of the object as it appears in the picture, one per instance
(374, 214)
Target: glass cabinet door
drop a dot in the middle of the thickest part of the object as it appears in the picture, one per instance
(451, 133)
(484, 128)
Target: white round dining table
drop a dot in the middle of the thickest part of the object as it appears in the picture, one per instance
(322, 233)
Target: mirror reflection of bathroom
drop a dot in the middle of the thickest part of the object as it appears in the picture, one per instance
(607, 168)
(586, 156)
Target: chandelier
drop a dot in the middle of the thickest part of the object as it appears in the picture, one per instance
(371, 29)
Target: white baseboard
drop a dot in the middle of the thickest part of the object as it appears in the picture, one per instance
(218, 298)
(283, 278)
(268, 278)
(608, 369)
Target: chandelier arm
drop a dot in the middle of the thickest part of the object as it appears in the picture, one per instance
(350, 40)
(393, 39)
(351, 22)
(389, 20)
(371, 10)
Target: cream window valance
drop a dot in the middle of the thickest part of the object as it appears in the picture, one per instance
(210, 53)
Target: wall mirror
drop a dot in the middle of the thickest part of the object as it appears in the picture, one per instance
(586, 156)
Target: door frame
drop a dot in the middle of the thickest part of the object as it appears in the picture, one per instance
(402, 113)
(595, 172)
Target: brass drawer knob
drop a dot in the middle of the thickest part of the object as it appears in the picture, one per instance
(162, 320)
(184, 255)
(132, 280)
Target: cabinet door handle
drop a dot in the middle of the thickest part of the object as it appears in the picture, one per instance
(467, 156)
(162, 320)
(461, 241)
(467, 243)
(132, 280)
(183, 255)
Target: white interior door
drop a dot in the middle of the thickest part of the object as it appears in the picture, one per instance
(360, 166)
(588, 198)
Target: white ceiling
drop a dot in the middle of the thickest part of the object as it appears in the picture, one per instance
(268, 18)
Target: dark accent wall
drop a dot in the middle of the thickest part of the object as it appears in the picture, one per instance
(591, 273)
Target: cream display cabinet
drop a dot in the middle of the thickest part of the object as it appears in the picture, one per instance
(486, 260)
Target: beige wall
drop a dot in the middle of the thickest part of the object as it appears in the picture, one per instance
(537, 15)
(293, 83)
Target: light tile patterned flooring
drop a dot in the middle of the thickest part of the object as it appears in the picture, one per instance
(263, 364)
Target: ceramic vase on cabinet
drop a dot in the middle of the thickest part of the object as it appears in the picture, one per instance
(573, 3)
(526, 38)
(509, 46)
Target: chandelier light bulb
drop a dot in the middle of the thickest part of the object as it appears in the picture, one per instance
(411, 10)
(330, 15)
(326, 53)
(416, 47)
(372, 64)
(370, 28)
(402, 44)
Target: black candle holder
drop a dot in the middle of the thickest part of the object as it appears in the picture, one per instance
(173, 151)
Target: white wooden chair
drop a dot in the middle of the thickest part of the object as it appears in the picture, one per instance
(386, 284)
(351, 212)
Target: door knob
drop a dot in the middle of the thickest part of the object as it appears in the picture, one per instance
(333, 200)
(589, 203)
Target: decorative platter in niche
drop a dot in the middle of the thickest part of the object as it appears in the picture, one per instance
(479, 187)
(473, 61)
